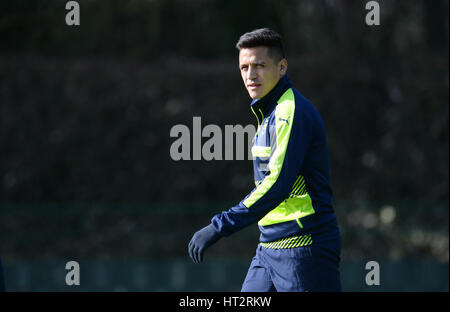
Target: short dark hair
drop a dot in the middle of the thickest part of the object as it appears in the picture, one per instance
(263, 37)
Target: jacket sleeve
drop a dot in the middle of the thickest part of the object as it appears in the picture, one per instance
(293, 130)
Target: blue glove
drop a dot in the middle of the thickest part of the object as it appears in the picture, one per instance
(200, 241)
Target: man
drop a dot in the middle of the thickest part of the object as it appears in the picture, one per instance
(300, 244)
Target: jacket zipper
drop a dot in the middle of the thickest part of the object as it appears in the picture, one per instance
(262, 116)
(257, 119)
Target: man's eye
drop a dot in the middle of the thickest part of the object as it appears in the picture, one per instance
(244, 67)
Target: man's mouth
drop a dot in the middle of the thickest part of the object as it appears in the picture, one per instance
(253, 86)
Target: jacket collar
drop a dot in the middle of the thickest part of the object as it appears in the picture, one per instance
(268, 102)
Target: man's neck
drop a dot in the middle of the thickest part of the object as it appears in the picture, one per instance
(269, 100)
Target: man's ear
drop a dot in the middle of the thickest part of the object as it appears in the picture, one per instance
(283, 65)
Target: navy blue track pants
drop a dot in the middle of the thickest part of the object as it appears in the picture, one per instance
(312, 268)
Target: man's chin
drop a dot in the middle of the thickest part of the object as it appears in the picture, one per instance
(254, 95)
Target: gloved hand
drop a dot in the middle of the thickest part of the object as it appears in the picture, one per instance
(201, 240)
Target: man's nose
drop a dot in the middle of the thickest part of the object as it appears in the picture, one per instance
(251, 73)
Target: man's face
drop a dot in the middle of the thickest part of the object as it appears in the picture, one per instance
(259, 71)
